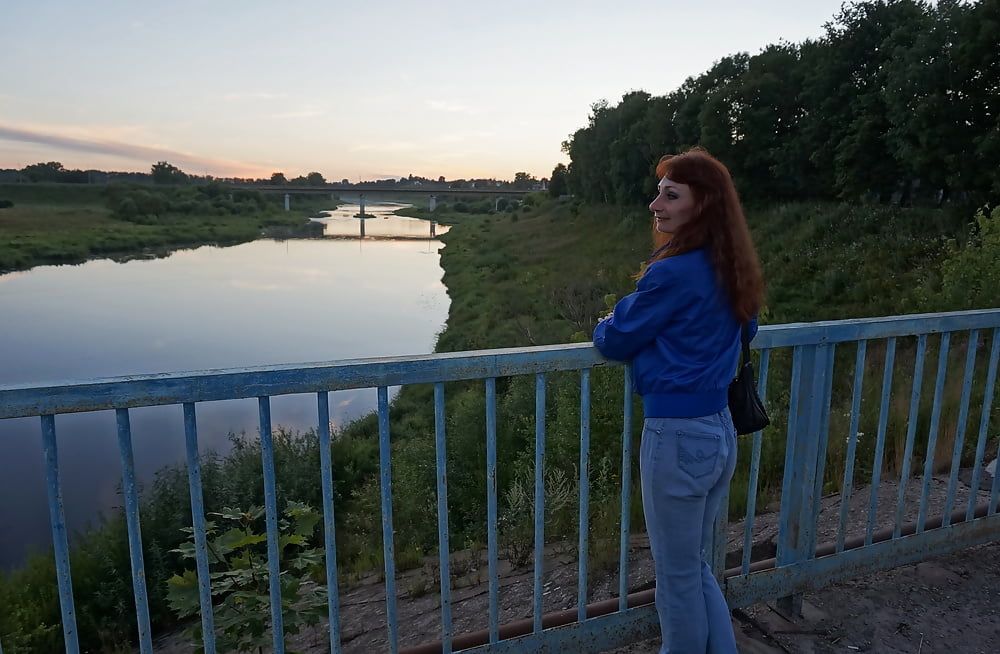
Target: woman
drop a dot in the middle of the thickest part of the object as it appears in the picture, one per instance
(681, 331)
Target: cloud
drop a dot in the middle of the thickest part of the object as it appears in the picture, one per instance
(143, 153)
(308, 111)
(391, 146)
(253, 95)
(450, 107)
(461, 137)
(249, 285)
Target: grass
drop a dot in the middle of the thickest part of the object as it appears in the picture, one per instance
(51, 224)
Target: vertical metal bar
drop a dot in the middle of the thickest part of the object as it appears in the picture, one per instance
(883, 421)
(984, 423)
(911, 431)
(442, 498)
(823, 429)
(198, 522)
(626, 492)
(329, 524)
(491, 505)
(271, 519)
(802, 453)
(852, 442)
(786, 540)
(942, 373)
(60, 541)
(134, 530)
(583, 549)
(797, 526)
(539, 496)
(388, 547)
(765, 358)
(963, 419)
(995, 492)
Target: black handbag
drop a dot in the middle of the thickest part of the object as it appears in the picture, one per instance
(745, 405)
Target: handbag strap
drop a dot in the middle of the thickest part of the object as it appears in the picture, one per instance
(745, 338)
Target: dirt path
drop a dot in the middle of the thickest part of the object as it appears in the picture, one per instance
(949, 604)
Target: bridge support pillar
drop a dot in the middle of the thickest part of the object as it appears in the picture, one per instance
(433, 203)
(433, 229)
(496, 205)
(287, 202)
(361, 201)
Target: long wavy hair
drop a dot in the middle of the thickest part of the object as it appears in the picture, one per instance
(719, 225)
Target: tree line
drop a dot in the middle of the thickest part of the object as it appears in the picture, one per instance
(163, 172)
(898, 101)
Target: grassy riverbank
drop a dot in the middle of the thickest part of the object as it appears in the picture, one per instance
(51, 224)
(539, 275)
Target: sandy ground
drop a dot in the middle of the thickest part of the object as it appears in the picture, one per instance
(948, 604)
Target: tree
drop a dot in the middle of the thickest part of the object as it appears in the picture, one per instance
(315, 179)
(558, 185)
(44, 172)
(895, 95)
(523, 181)
(165, 173)
(278, 179)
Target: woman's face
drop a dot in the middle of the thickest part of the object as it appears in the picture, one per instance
(673, 206)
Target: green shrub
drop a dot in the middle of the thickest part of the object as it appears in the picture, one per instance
(237, 549)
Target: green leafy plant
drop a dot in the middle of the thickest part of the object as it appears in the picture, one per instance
(237, 553)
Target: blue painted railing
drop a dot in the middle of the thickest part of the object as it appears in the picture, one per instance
(800, 564)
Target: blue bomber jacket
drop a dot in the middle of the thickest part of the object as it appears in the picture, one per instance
(679, 331)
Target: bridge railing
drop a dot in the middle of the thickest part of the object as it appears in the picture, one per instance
(799, 564)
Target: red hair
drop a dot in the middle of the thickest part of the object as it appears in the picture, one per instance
(719, 226)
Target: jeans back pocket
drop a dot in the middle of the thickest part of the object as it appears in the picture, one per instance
(697, 454)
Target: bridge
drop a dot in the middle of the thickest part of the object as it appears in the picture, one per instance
(374, 190)
(800, 563)
(365, 193)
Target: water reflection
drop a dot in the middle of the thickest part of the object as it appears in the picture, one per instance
(380, 222)
(259, 303)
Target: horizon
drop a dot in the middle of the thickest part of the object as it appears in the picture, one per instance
(252, 90)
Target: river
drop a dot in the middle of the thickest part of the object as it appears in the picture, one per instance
(258, 303)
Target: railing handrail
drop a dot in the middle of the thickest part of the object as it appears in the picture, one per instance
(17, 401)
(238, 383)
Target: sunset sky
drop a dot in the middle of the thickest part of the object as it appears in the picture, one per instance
(349, 89)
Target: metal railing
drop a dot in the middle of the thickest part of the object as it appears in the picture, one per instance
(799, 565)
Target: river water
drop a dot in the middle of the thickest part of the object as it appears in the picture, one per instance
(259, 303)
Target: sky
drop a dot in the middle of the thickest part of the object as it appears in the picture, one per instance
(356, 90)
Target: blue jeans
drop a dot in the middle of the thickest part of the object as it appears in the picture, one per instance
(685, 466)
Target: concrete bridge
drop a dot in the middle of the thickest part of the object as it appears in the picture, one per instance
(387, 190)
(365, 194)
